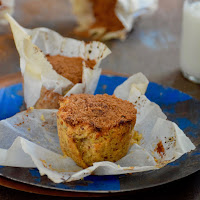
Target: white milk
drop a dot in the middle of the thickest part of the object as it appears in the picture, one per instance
(190, 44)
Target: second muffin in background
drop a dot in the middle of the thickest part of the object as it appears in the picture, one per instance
(53, 66)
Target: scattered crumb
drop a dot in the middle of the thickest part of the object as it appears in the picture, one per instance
(44, 163)
(19, 124)
(118, 166)
(28, 129)
(30, 109)
(137, 137)
(129, 168)
(42, 118)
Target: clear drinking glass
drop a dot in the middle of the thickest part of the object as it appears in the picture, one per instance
(190, 41)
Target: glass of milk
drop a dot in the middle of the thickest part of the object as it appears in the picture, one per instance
(190, 41)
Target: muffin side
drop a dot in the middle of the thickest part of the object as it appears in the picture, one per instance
(86, 142)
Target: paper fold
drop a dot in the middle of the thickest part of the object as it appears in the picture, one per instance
(33, 46)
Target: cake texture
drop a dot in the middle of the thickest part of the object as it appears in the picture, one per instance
(94, 128)
(68, 67)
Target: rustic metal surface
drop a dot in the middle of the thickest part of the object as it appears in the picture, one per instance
(179, 107)
(152, 48)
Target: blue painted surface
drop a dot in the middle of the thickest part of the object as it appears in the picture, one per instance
(107, 84)
(36, 175)
(92, 183)
(177, 162)
(11, 100)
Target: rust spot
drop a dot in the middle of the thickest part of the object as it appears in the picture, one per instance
(160, 149)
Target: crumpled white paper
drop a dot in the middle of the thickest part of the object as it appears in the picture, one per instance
(34, 44)
(126, 11)
(6, 6)
(29, 139)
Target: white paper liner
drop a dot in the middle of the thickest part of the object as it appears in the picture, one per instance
(7, 6)
(126, 11)
(34, 44)
(32, 141)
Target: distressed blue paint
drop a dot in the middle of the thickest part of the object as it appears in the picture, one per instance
(92, 183)
(165, 95)
(177, 162)
(102, 183)
(184, 123)
(195, 153)
(36, 175)
(155, 92)
(107, 84)
(10, 100)
(1, 166)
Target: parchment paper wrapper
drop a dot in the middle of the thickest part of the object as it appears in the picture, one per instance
(6, 6)
(29, 139)
(34, 44)
(126, 11)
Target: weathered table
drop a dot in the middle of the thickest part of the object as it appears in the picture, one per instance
(152, 48)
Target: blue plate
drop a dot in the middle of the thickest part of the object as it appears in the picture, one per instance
(179, 108)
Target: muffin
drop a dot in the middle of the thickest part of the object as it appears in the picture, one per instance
(70, 68)
(94, 128)
(53, 66)
(102, 15)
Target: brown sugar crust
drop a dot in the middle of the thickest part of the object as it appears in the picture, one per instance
(101, 112)
(104, 12)
(70, 67)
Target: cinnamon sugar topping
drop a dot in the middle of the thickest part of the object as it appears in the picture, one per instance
(70, 67)
(99, 111)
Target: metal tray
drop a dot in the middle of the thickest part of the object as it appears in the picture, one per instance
(179, 107)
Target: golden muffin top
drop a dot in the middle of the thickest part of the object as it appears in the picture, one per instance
(99, 111)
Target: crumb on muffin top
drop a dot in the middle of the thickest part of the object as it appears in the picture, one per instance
(99, 111)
